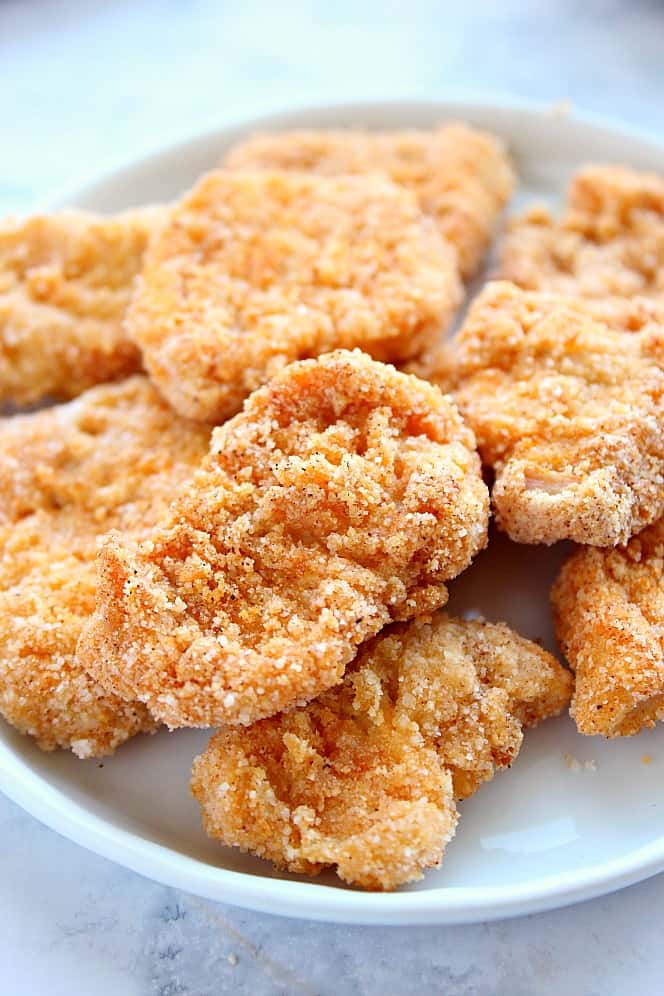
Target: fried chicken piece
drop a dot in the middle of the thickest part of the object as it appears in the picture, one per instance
(462, 177)
(113, 458)
(365, 778)
(65, 283)
(609, 612)
(568, 413)
(607, 247)
(255, 270)
(340, 499)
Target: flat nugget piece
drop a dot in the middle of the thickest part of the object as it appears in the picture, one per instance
(65, 283)
(609, 613)
(462, 177)
(365, 778)
(568, 413)
(340, 499)
(607, 247)
(113, 458)
(255, 270)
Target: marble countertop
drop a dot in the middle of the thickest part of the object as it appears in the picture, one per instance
(87, 85)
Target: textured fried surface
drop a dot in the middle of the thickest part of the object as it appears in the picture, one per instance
(462, 177)
(112, 458)
(360, 778)
(341, 498)
(65, 283)
(607, 247)
(609, 612)
(567, 411)
(257, 269)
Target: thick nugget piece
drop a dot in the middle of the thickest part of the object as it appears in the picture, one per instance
(568, 413)
(255, 270)
(609, 612)
(340, 499)
(365, 778)
(112, 458)
(607, 247)
(65, 283)
(462, 177)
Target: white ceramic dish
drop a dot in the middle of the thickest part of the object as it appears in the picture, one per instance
(538, 837)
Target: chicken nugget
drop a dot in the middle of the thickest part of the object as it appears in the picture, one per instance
(609, 613)
(365, 778)
(340, 499)
(607, 247)
(113, 458)
(255, 270)
(462, 177)
(568, 413)
(65, 283)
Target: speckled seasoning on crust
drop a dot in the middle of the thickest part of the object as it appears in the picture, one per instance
(366, 777)
(568, 413)
(342, 498)
(609, 613)
(65, 283)
(254, 270)
(111, 459)
(462, 177)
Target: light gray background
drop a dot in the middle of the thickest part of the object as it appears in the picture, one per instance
(87, 85)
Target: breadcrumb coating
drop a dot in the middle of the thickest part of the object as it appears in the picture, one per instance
(365, 777)
(65, 283)
(609, 612)
(340, 499)
(607, 246)
(462, 177)
(113, 458)
(255, 270)
(568, 413)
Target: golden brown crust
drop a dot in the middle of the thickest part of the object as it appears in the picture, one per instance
(113, 458)
(255, 270)
(341, 498)
(365, 777)
(609, 612)
(607, 247)
(462, 177)
(567, 412)
(65, 283)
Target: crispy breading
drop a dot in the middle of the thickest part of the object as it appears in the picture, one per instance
(255, 270)
(365, 777)
(609, 612)
(340, 499)
(606, 247)
(462, 177)
(65, 283)
(568, 413)
(113, 458)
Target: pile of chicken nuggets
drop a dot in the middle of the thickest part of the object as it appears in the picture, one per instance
(237, 507)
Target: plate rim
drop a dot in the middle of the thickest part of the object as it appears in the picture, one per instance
(304, 899)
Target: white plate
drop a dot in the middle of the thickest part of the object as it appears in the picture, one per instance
(537, 837)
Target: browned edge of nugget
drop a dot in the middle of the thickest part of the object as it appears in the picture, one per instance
(568, 413)
(609, 612)
(365, 777)
(111, 459)
(343, 497)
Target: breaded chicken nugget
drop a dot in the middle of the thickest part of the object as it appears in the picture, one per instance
(567, 411)
(365, 777)
(462, 177)
(112, 458)
(65, 283)
(340, 499)
(609, 612)
(607, 247)
(255, 270)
